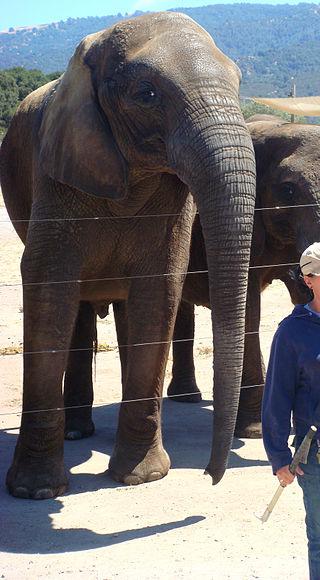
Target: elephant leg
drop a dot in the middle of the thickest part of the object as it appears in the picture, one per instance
(249, 414)
(120, 312)
(139, 455)
(183, 386)
(78, 387)
(50, 311)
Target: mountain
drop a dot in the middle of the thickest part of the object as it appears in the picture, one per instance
(270, 43)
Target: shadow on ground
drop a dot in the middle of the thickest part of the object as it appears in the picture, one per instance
(187, 438)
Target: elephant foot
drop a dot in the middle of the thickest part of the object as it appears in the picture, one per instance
(37, 478)
(74, 432)
(184, 391)
(133, 465)
(78, 426)
(248, 429)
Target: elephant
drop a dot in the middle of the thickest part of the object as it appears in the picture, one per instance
(287, 160)
(101, 172)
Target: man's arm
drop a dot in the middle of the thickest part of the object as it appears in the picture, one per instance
(278, 401)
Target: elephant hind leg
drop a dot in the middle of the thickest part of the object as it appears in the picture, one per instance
(183, 387)
(249, 413)
(248, 424)
(78, 387)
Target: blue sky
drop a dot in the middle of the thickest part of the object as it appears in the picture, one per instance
(27, 12)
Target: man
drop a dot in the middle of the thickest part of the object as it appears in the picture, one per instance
(292, 391)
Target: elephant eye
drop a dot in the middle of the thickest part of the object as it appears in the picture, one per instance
(287, 189)
(146, 96)
(285, 192)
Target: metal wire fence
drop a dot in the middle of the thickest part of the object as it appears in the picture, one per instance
(120, 278)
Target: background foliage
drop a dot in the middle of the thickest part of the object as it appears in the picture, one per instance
(270, 43)
(15, 84)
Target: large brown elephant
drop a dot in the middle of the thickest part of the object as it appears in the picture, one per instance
(102, 162)
(288, 175)
(287, 158)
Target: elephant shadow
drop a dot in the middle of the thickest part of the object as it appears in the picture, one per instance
(35, 533)
(187, 432)
(28, 526)
(186, 441)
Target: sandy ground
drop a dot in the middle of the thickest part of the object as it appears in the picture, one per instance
(179, 527)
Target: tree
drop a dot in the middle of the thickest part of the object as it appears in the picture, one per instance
(15, 84)
(9, 97)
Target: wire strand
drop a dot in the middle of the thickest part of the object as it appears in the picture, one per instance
(136, 277)
(92, 218)
(98, 218)
(138, 216)
(116, 346)
(126, 401)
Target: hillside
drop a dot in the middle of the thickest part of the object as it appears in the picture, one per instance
(271, 44)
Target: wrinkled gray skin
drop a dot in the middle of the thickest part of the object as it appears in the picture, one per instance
(288, 160)
(142, 117)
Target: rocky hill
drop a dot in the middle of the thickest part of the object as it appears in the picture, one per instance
(270, 43)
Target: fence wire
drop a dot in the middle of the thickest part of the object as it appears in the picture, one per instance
(143, 216)
(146, 276)
(116, 346)
(135, 277)
(102, 404)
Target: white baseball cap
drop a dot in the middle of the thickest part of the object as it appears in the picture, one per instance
(310, 260)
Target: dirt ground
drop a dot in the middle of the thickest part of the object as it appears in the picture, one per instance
(179, 527)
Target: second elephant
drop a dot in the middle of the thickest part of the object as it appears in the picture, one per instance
(287, 157)
(287, 220)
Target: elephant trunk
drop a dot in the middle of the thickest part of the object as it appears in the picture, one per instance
(219, 168)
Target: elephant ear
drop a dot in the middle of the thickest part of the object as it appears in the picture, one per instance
(77, 146)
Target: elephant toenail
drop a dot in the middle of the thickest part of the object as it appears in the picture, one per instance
(21, 492)
(44, 493)
(73, 435)
(132, 480)
(154, 476)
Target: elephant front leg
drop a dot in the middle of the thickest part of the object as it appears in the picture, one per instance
(183, 386)
(78, 387)
(139, 455)
(253, 376)
(37, 471)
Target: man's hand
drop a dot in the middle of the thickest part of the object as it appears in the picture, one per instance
(285, 476)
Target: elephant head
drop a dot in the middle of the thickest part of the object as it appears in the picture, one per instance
(288, 182)
(154, 95)
(286, 222)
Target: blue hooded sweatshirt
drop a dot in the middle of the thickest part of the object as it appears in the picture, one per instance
(292, 384)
